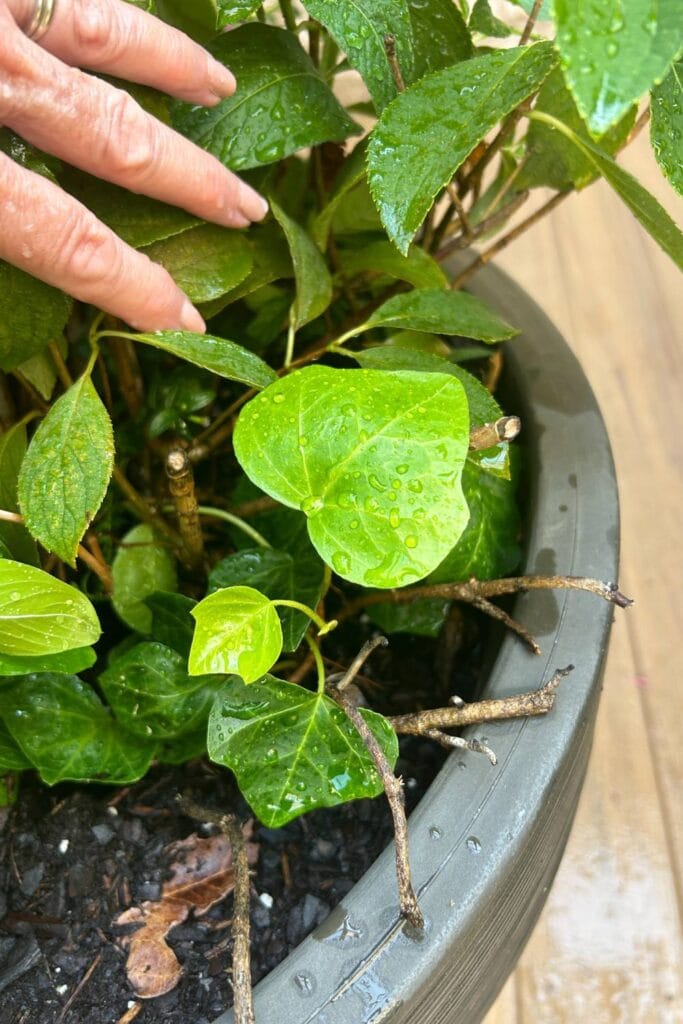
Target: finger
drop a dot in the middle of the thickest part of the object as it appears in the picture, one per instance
(118, 38)
(101, 129)
(52, 236)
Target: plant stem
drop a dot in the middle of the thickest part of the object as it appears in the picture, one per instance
(147, 514)
(531, 21)
(289, 351)
(100, 568)
(228, 517)
(288, 14)
(181, 488)
(60, 366)
(318, 659)
(323, 627)
(460, 210)
(390, 50)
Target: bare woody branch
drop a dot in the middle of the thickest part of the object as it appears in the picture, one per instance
(181, 488)
(506, 428)
(390, 50)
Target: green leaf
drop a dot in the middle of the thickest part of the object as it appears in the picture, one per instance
(12, 757)
(424, 617)
(69, 662)
(418, 267)
(67, 469)
(553, 160)
(66, 733)
(292, 750)
(182, 748)
(642, 205)
(41, 615)
(172, 622)
(29, 157)
(427, 132)
(141, 567)
(282, 104)
(205, 262)
(489, 547)
(373, 459)
(226, 358)
(197, 18)
(442, 312)
(359, 28)
(271, 261)
(32, 314)
(440, 36)
(613, 53)
(482, 19)
(351, 173)
(666, 127)
(232, 11)
(280, 576)
(313, 281)
(40, 371)
(14, 536)
(135, 218)
(151, 694)
(238, 631)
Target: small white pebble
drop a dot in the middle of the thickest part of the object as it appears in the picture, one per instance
(266, 899)
(62, 989)
(411, 783)
(130, 1004)
(113, 812)
(57, 970)
(63, 845)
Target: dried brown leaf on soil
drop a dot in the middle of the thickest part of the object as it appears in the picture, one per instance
(201, 875)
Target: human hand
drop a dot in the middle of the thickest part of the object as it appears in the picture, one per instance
(49, 102)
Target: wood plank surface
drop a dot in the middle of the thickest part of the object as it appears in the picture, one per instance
(607, 949)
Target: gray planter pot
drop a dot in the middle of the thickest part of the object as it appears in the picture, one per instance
(485, 842)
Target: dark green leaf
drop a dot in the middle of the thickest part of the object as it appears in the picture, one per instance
(282, 104)
(423, 617)
(359, 27)
(440, 36)
(16, 537)
(32, 314)
(278, 575)
(137, 219)
(552, 159)
(172, 622)
(313, 281)
(443, 312)
(152, 695)
(205, 262)
(271, 259)
(292, 750)
(141, 567)
(41, 615)
(666, 129)
(40, 371)
(418, 267)
(68, 661)
(197, 18)
(12, 757)
(182, 748)
(373, 459)
(66, 732)
(644, 206)
(67, 469)
(351, 173)
(482, 19)
(29, 157)
(232, 11)
(219, 355)
(613, 53)
(427, 132)
(237, 631)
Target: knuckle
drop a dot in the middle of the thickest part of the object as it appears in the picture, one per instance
(98, 31)
(86, 252)
(16, 72)
(131, 139)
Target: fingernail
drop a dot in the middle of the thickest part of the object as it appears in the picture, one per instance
(252, 204)
(190, 320)
(222, 81)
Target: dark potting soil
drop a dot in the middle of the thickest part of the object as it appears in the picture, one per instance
(72, 858)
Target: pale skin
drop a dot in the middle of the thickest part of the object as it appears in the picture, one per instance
(52, 104)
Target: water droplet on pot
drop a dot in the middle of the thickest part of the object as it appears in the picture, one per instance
(473, 844)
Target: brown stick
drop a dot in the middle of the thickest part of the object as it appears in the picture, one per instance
(61, 367)
(143, 509)
(484, 226)
(390, 50)
(181, 488)
(452, 190)
(130, 379)
(100, 568)
(505, 429)
(531, 21)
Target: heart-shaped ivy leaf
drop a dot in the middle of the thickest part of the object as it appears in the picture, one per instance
(372, 456)
(141, 567)
(12, 757)
(172, 623)
(238, 631)
(292, 750)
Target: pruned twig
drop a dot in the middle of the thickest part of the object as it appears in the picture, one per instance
(181, 488)
(504, 429)
(390, 50)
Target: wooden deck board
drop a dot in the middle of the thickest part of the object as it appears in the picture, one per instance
(607, 948)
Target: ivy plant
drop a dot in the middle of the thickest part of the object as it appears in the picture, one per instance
(218, 500)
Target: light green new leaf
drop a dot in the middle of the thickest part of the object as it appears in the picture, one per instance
(282, 103)
(442, 312)
(427, 132)
(150, 692)
(12, 757)
(32, 314)
(612, 53)
(418, 267)
(440, 36)
(205, 262)
(292, 750)
(141, 567)
(68, 662)
(41, 615)
(238, 632)
(293, 575)
(14, 536)
(641, 203)
(313, 281)
(374, 460)
(226, 358)
(666, 127)
(66, 732)
(67, 469)
(359, 27)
